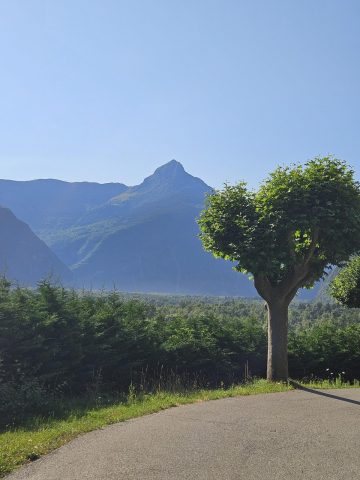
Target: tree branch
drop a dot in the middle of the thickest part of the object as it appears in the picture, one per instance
(263, 286)
(309, 277)
(297, 276)
(293, 279)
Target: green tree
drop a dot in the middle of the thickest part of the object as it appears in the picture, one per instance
(287, 235)
(345, 287)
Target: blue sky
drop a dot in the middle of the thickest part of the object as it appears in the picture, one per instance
(106, 90)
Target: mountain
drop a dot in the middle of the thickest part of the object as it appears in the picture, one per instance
(146, 239)
(47, 205)
(141, 238)
(23, 256)
(322, 293)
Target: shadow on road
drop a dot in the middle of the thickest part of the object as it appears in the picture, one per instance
(298, 386)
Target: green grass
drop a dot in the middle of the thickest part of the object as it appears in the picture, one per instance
(42, 435)
(336, 383)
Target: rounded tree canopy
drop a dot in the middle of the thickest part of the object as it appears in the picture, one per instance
(302, 220)
(345, 287)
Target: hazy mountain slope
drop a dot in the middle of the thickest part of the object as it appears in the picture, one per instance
(160, 255)
(23, 256)
(48, 205)
(322, 294)
(169, 190)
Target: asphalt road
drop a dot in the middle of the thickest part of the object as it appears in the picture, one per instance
(293, 435)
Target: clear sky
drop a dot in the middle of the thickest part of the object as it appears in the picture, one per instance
(108, 90)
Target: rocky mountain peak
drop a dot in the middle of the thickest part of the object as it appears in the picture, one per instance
(170, 169)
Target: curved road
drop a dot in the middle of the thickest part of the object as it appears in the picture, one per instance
(294, 435)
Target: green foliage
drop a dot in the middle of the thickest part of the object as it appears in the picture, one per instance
(301, 215)
(325, 350)
(57, 344)
(345, 287)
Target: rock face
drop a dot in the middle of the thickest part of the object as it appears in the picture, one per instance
(23, 256)
(142, 238)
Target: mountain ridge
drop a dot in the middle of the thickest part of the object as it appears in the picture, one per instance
(138, 238)
(23, 256)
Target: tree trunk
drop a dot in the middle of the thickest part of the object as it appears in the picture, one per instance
(277, 363)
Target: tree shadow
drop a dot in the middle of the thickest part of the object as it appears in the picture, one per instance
(298, 386)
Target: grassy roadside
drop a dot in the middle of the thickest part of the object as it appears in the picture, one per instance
(330, 384)
(41, 435)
